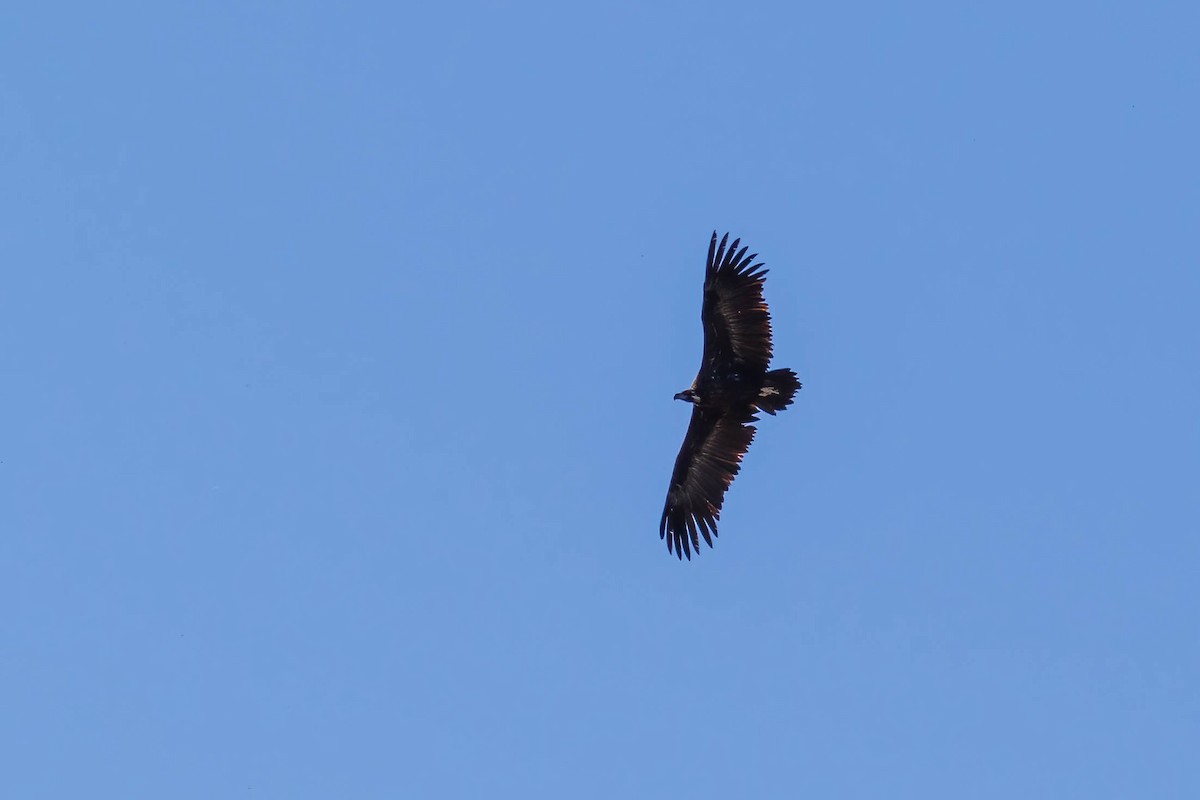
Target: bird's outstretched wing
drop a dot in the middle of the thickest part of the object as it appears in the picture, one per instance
(737, 324)
(710, 456)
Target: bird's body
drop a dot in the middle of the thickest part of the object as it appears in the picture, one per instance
(733, 384)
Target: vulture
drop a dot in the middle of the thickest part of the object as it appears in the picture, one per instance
(733, 384)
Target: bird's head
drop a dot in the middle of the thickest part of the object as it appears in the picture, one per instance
(688, 395)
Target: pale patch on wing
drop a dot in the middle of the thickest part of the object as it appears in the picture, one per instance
(767, 391)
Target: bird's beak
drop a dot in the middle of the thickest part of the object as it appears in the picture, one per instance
(681, 396)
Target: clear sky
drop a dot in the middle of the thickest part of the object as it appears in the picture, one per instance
(338, 348)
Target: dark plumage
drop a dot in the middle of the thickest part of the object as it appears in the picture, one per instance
(732, 386)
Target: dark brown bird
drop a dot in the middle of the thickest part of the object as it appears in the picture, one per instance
(732, 386)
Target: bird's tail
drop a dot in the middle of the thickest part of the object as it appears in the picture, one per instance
(778, 389)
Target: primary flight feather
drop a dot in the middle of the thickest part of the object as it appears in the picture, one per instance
(733, 384)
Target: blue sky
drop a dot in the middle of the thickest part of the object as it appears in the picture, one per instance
(339, 347)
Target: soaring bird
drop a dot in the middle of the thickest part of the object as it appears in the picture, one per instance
(733, 384)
